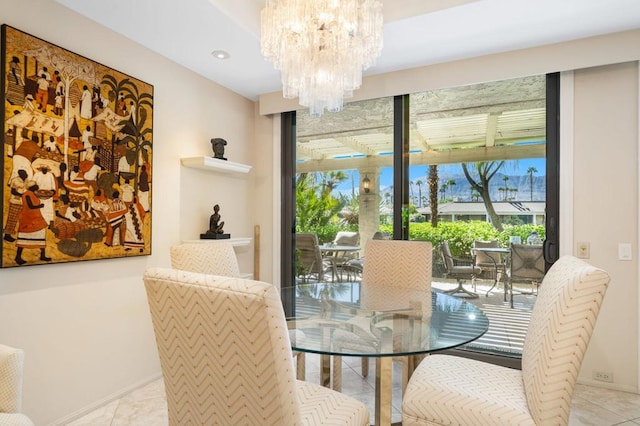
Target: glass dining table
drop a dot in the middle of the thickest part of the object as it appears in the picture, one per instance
(332, 322)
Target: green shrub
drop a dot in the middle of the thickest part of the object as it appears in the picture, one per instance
(327, 233)
(461, 235)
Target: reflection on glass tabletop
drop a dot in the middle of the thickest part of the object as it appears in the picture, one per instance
(334, 319)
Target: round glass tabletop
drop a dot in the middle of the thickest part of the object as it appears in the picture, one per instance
(332, 319)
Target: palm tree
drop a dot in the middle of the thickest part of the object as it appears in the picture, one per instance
(411, 197)
(531, 170)
(505, 188)
(443, 190)
(514, 191)
(503, 192)
(332, 179)
(419, 183)
(451, 183)
(432, 182)
(136, 129)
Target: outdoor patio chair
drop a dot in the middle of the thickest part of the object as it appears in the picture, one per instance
(11, 362)
(338, 260)
(353, 268)
(381, 235)
(526, 266)
(347, 238)
(460, 269)
(446, 389)
(492, 264)
(226, 358)
(309, 261)
(396, 273)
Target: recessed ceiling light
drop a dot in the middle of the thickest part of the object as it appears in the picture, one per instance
(220, 54)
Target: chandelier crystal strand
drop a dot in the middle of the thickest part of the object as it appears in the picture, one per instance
(321, 47)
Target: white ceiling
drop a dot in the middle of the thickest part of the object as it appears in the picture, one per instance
(416, 32)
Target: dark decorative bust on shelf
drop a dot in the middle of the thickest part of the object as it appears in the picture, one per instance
(215, 231)
(218, 144)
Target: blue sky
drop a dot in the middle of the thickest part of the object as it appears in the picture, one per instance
(512, 168)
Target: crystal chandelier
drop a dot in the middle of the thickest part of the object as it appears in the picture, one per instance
(321, 47)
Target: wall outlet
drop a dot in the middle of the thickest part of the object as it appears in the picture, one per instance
(583, 250)
(603, 376)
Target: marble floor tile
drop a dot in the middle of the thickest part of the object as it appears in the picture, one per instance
(585, 413)
(142, 412)
(625, 404)
(146, 406)
(103, 416)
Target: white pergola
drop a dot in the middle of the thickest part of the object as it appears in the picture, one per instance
(504, 120)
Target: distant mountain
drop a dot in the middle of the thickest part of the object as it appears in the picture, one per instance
(518, 188)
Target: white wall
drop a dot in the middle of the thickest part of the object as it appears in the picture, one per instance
(85, 326)
(605, 197)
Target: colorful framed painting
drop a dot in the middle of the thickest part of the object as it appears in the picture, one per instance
(77, 156)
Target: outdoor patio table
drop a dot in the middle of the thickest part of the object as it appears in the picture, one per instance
(502, 251)
(322, 309)
(339, 255)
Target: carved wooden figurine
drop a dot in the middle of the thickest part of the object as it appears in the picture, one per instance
(218, 144)
(215, 231)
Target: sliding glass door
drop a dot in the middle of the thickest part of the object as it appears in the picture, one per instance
(465, 164)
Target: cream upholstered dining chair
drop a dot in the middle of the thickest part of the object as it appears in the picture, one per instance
(396, 274)
(226, 355)
(11, 368)
(450, 390)
(220, 258)
(217, 258)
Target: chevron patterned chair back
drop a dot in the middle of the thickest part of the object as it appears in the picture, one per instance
(393, 265)
(396, 274)
(459, 391)
(226, 356)
(219, 259)
(11, 368)
(208, 258)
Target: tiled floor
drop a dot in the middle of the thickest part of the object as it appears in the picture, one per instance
(147, 406)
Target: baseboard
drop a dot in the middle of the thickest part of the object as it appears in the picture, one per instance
(606, 385)
(104, 401)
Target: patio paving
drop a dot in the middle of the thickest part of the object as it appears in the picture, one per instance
(507, 326)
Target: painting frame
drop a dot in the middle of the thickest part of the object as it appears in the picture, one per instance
(77, 156)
